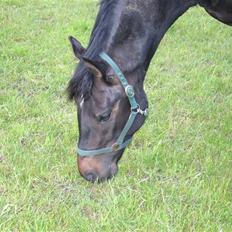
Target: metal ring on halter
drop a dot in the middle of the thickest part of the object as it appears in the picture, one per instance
(130, 91)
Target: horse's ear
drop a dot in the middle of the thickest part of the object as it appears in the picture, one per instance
(93, 67)
(78, 49)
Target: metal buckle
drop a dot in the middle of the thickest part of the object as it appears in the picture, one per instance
(142, 112)
(129, 91)
(115, 146)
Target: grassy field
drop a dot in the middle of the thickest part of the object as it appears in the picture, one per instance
(176, 175)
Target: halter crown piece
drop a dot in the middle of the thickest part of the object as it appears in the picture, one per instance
(135, 109)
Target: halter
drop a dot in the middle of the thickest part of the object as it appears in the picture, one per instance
(135, 109)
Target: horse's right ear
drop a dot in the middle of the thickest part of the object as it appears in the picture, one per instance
(78, 49)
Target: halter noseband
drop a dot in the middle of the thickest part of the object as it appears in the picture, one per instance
(135, 109)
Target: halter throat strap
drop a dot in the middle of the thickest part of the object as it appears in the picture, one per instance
(135, 109)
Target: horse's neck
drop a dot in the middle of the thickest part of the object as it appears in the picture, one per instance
(219, 9)
(141, 26)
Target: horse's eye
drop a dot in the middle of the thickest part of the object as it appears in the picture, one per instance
(103, 118)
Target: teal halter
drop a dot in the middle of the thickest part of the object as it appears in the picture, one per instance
(135, 109)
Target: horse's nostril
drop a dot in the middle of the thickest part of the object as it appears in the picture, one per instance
(90, 177)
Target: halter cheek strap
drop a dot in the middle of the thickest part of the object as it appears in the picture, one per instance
(135, 109)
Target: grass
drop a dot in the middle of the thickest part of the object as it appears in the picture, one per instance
(176, 175)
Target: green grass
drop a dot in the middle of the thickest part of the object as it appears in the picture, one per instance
(176, 175)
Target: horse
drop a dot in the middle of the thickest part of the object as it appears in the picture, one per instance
(107, 85)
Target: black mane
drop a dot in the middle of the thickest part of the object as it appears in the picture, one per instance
(81, 83)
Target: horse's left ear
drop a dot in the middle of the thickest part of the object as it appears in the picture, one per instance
(78, 49)
(93, 67)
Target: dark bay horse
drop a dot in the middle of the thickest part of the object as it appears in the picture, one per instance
(107, 85)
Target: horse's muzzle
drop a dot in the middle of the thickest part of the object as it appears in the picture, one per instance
(96, 173)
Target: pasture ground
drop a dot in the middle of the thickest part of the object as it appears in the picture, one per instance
(176, 175)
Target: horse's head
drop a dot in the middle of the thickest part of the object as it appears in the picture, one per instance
(103, 111)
